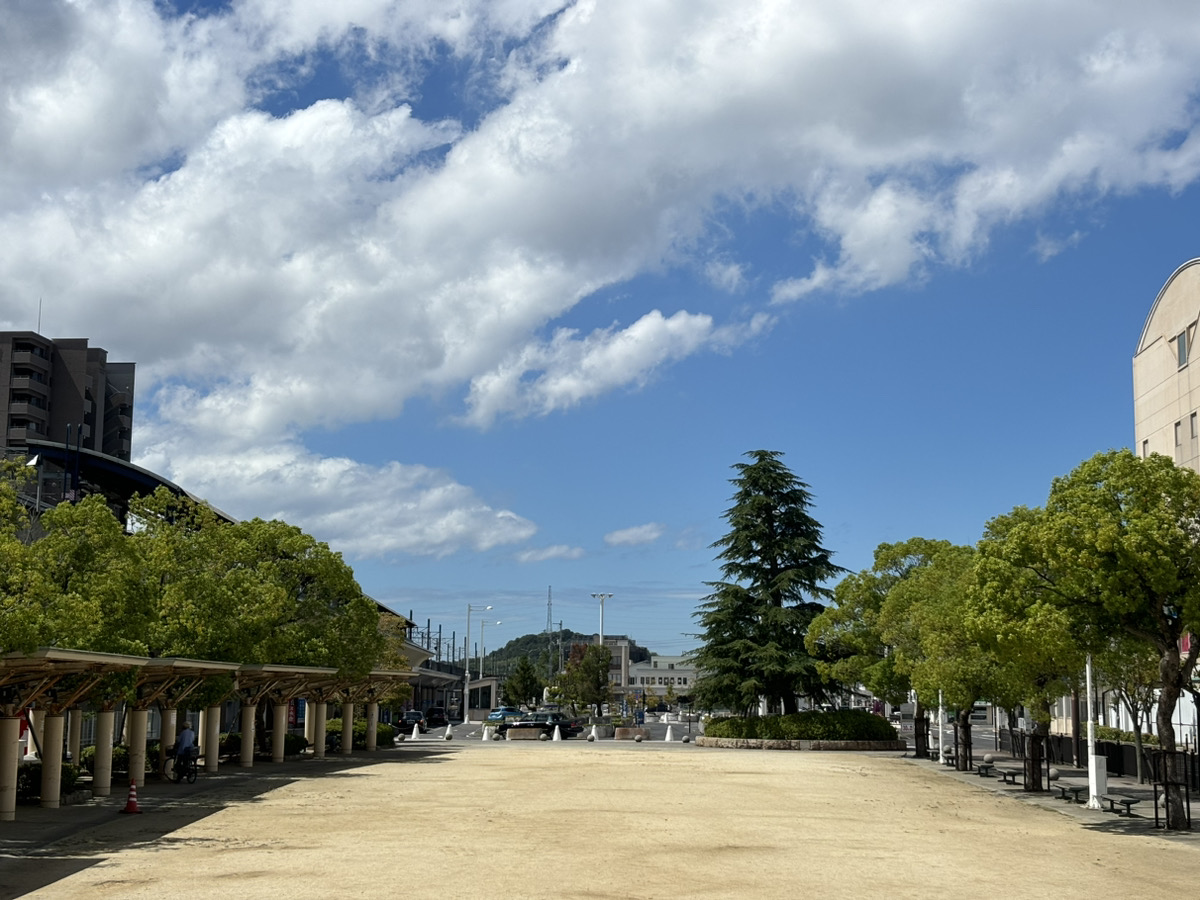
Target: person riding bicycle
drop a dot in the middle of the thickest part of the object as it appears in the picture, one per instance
(186, 752)
(185, 743)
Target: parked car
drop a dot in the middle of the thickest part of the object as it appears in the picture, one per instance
(435, 717)
(547, 721)
(413, 717)
(500, 713)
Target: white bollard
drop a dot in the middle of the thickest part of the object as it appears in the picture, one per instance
(557, 734)
(595, 735)
(487, 732)
(416, 735)
(447, 735)
(670, 733)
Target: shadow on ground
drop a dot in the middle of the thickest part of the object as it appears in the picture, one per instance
(45, 845)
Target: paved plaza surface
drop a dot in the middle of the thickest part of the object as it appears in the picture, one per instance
(442, 819)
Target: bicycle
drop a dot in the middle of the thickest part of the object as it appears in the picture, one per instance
(186, 766)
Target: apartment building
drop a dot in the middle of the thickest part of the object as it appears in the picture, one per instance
(65, 392)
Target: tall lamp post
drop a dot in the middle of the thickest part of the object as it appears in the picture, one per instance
(466, 704)
(601, 598)
(481, 624)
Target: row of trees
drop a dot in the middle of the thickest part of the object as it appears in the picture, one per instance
(181, 583)
(1107, 567)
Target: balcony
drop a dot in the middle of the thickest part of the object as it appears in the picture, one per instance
(27, 411)
(26, 358)
(25, 383)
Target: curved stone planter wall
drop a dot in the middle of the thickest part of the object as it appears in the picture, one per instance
(628, 734)
(760, 744)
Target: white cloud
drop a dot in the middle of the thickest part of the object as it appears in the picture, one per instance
(365, 511)
(558, 551)
(632, 537)
(254, 265)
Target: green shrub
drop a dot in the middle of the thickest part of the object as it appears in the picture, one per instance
(385, 734)
(810, 725)
(120, 759)
(1108, 733)
(29, 779)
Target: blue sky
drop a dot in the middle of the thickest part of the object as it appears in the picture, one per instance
(491, 296)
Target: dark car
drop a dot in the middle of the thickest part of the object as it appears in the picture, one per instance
(547, 721)
(435, 717)
(413, 717)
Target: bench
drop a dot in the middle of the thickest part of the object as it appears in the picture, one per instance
(1009, 776)
(984, 770)
(1075, 790)
(1113, 799)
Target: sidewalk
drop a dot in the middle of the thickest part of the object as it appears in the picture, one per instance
(1140, 821)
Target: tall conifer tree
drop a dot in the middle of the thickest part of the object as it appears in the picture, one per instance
(775, 569)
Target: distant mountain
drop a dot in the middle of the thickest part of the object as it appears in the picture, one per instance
(544, 650)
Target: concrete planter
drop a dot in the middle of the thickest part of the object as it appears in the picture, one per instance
(628, 734)
(524, 734)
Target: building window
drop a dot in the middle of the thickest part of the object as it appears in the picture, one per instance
(1178, 434)
(1195, 425)
(1145, 449)
(1181, 348)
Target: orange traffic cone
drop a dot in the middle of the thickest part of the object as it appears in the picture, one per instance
(131, 804)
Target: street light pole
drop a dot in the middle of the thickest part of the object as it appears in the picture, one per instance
(466, 703)
(601, 598)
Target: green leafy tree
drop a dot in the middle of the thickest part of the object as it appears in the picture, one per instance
(585, 681)
(1119, 544)
(254, 591)
(1130, 669)
(924, 620)
(847, 638)
(523, 686)
(1036, 643)
(754, 622)
(94, 582)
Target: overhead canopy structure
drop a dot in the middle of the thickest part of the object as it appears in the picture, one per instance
(45, 677)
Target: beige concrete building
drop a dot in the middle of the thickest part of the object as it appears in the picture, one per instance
(1166, 372)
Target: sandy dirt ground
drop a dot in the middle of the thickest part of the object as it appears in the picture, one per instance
(601, 820)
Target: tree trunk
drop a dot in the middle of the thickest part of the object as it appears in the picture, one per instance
(1171, 673)
(964, 761)
(1037, 747)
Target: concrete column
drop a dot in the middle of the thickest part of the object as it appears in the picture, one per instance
(166, 739)
(248, 710)
(372, 725)
(278, 730)
(52, 752)
(310, 714)
(10, 750)
(319, 729)
(36, 716)
(102, 762)
(347, 729)
(212, 739)
(75, 733)
(135, 720)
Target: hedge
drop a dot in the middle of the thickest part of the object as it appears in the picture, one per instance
(385, 734)
(811, 725)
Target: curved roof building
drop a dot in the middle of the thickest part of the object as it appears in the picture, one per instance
(1166, 372)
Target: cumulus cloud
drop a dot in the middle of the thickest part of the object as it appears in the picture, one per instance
(632, 537)
(190, 193)
(365, 511)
